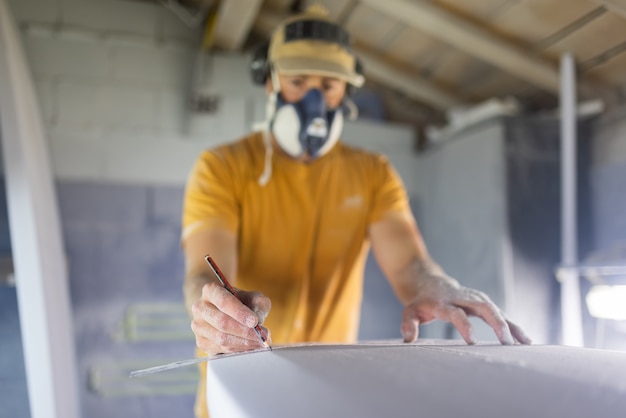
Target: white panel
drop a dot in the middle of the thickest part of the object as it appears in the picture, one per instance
(47, 100)
(113, 97)
(152, 63)
(112, 15)
(172, 27)
(77, 160)
(149, 161)
(230, 74)
(609, 145)
(172, 110)
(233, 118)
(405, 164)
(149, 158)
(460, 205)
(105, 106)
(47, 11)
(203, 126)
(397, 142)
(50, 57)
(380, 137)
(227, 124)
(257, 108)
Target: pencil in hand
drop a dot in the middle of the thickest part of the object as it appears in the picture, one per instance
(231, 290)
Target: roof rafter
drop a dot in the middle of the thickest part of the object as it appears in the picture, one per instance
(471, 39)
(338, 10)
(234, 22)
(616, 6)
(409, 84)
(279, 5)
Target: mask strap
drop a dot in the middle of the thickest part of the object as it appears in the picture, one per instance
(267, 165)
(352, 108)
(275, 81)
(270, 109)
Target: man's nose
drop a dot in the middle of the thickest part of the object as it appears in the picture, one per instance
(314, 83)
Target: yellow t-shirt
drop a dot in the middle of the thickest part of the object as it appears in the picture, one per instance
(302, 238)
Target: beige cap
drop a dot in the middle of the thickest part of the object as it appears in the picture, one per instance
(292, 55)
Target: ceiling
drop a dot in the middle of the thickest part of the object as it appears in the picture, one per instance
(427, 57)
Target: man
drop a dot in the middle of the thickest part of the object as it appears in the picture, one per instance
(289, 214)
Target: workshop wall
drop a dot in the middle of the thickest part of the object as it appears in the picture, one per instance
(114, 80)
(608, 197)
(608, 184)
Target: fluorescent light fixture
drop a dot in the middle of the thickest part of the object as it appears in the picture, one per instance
(608, 302)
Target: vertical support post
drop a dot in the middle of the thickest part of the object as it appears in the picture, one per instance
(571, 315)
(36, 238)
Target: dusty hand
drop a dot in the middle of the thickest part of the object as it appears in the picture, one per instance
(223, 324)
(441, 297)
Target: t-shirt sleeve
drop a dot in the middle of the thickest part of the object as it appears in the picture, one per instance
(210, 199)
(389, 191)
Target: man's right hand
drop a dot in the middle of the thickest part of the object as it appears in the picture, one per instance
(223, 324)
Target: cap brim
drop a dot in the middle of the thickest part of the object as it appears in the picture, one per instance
(307, 65)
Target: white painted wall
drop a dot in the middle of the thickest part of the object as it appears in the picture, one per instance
(114, 77)
(609, 138)
(608, 185)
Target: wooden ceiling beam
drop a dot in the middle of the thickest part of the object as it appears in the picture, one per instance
(279, 5)
(471, 39)
(615, 6)
(338, 10)
(398, 79)
(234, 22)
(377, 69)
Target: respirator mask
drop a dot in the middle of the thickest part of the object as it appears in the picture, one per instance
(306, 126)
(306, 44)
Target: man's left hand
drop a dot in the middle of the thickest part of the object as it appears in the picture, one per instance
(442, 297)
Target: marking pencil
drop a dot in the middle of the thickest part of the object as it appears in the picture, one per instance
(230, 289)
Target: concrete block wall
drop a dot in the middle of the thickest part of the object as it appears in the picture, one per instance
(114, 78)
(122, 244)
